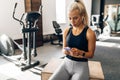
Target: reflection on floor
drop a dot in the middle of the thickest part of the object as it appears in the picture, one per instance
(9, 71)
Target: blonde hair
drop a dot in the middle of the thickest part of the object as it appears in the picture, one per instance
(79, 5)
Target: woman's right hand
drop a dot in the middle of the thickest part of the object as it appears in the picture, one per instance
(66, 50)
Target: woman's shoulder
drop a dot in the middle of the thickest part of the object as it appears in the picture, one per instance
(90, 30)
(67, 29)
(90, 33)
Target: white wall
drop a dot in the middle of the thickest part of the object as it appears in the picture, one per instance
(49, 14)
(12, 28)
(7, 24)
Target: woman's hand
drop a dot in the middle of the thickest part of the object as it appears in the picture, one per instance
(73, 52)
(76, 53)
(66, 50)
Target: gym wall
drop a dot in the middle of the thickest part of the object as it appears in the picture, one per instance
(8, 25)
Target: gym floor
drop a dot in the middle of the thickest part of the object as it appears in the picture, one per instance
(107, 52)
(9, 71)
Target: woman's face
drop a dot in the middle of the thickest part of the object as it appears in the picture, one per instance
(75, 18)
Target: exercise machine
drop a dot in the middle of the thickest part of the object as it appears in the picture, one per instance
(96, 27)
(58, 34)
(29, 29)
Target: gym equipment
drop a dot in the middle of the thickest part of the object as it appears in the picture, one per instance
(58, 33)
(6, 45)
(95, 25)
(107, 29)
(28, 48)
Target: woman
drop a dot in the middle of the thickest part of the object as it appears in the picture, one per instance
(78, 45)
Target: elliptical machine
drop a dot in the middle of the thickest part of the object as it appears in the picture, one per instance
(29, 36)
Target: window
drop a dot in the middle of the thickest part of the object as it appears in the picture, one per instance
(60, 11)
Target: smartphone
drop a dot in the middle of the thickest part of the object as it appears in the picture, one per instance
(67, 48)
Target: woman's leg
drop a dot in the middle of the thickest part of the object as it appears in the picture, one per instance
(81, 71)
(61, 73)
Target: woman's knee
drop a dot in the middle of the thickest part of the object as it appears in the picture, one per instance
(60, 74)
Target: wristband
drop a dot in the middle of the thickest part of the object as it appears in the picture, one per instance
(83, 54)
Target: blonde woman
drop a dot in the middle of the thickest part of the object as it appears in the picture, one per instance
(79, 44)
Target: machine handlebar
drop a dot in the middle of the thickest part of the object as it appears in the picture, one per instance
(20, 20)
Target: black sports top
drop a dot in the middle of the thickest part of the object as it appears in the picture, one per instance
(77, 41)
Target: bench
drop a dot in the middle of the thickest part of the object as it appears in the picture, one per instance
(95, 69)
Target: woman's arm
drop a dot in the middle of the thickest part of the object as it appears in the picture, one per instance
(64, 41)
(91, 43)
